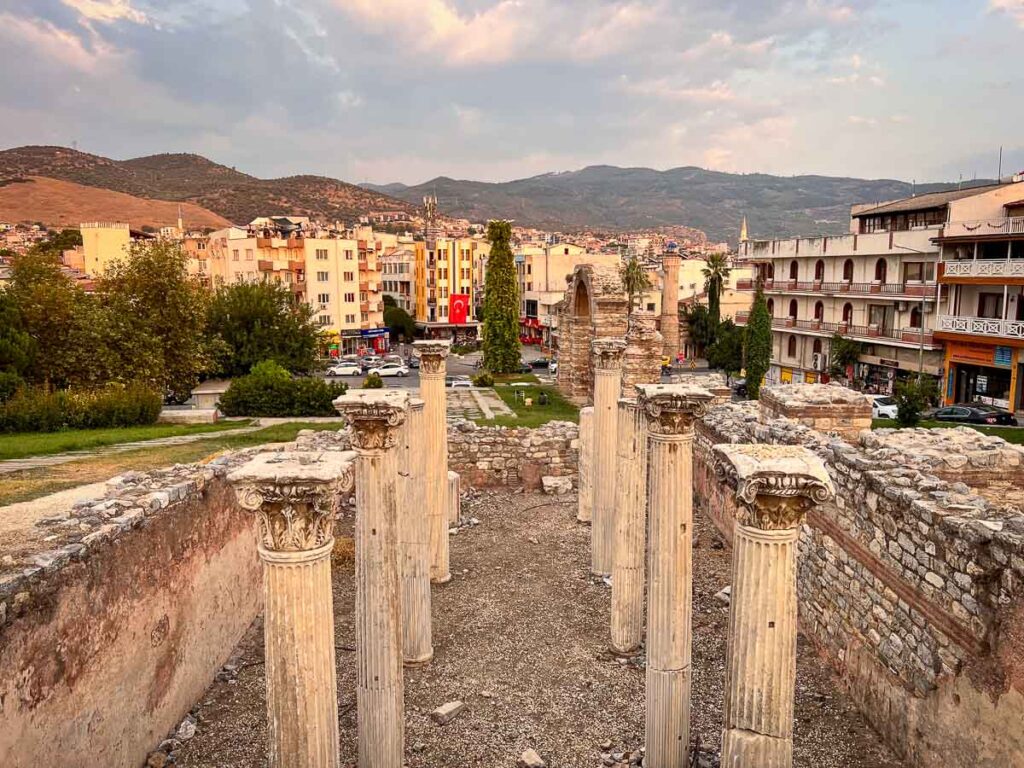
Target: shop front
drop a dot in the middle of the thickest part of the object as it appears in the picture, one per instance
(531, 331)
(987, 373)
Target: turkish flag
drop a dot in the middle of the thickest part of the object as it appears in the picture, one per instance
(458, 308)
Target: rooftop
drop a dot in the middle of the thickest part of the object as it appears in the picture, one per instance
(922, 202)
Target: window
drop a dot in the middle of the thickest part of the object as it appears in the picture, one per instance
(770, 271)
(324, 319)
(990, 305)
(848, 313)
(819, 310)
(881, 268)
(349, 277)
(791, 346)
(819, 270)
(363, 296)
(915, 317)
(771, 307)
(248, 254)
(234, 254)
(794, 269)
(364, 316)
(848, 270)
(321, 254)
(919, 271)
(816, 347)
(322, 277)
(350, 318)
(793, 308)
(348, 254)
(323, 298)
(650, 306)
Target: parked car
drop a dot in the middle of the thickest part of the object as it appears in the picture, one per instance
(740, 387)
(553, 368)
(973, 413)
(541, 363)
(345, 369)
(390, 369)
(370, 361)
(413, 362)
(883, 407)
(525, 367)
(458, 382)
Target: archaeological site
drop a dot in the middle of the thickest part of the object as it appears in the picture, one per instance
(678, 580)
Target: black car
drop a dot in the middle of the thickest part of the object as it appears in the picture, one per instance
(974, 413)
(525, 367)
(541, 363)
(413, 362)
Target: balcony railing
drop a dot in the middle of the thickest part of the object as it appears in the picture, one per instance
(985, 227)
(824, 328)
(925, 290)
(982, 326)
(985, 268)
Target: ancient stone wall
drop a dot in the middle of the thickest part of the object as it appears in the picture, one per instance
(825, 407)
(108, 638)
(910, 584)
(496, 456)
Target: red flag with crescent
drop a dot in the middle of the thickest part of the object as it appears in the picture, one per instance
(458, 308)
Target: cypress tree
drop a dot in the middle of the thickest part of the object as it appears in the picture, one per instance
(501, 303)
(759, 344)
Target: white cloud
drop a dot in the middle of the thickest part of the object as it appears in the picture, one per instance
(716, 92)
(1015, 9)
(867, 122)
(107, 11)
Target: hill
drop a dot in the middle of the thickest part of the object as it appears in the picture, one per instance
(608, 197)
(232, 194)
(60, 204)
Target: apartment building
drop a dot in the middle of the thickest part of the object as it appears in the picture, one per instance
(875, 285)
(447, 268)
(980, 317)
(398, 276)
(102, 244)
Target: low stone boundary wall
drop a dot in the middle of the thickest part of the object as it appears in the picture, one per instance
(911, 585)
(108, 639)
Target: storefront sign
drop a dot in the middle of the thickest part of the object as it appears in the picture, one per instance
(1004, 357)
(889, 363)
(786, 376)
(977, 354)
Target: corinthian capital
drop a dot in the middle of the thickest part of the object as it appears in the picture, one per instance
(774, 485)
(672, 409)
(608, 353)
(375, 417)
(432, 354)
(295, 495)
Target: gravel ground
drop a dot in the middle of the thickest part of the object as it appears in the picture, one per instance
(520, 636)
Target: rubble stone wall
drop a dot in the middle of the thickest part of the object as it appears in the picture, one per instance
(504, 456)
(910, 584)
(824, 407)
(109, 638)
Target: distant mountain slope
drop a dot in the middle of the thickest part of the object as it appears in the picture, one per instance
(237, 196)
(65, 204)
(608, 197)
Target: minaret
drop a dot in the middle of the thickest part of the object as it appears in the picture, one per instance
(743, 231)
(181, 226)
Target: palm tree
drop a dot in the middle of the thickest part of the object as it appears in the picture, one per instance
(635, 282)
(716, 275)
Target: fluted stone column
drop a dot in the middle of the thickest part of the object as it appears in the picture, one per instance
(295, 495)
(376, 418)
(454, 496)
(630, 539)
(774, 487)
(671, 410)
(585, 491)
(432, 356)
(607, 385)
(414, 541)
(670, 303)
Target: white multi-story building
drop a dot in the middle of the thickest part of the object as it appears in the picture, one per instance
(398, 277)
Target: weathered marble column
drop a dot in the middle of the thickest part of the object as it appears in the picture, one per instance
(607, 385)
(670, 303)
(774, 487)
(414, 540)
(376, 417)
(671, 410)
(454, 496)
(296, 495)
(630, 539)
(585, 491)
(432, 356)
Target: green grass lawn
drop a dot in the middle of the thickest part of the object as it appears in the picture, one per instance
(515, 378)
(31, 484)
(557, 409)
(21, 445)
(1009, 434)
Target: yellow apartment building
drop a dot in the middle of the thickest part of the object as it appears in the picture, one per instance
(103, 243)
(446, 266)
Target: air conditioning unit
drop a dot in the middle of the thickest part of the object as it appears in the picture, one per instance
(818, 361)
(901, 306)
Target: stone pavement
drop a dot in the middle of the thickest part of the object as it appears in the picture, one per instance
(39, 462)
(475, 403)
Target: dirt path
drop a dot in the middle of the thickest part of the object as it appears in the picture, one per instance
(520, 635)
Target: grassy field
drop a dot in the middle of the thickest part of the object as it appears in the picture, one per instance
(31, 484)
(557, 409)
(20, 445)
(1013, 435)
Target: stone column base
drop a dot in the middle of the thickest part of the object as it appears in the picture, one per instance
(668, 727)
(746, 749)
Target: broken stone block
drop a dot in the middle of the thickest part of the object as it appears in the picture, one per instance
(724, 596)
(556, 486)
(530, 759)
(447, 712)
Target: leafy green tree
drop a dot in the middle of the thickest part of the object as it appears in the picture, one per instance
(253, 322)
(501, 303)
(16, 345)
(635, 282)
(726, 352)
(842, 353)
(65, 240)
(152, 286)
(716, 275)
(399, 322)
(701, 329)
(911, 399)
(759, 344)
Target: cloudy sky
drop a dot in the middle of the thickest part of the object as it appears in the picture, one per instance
(405, 90)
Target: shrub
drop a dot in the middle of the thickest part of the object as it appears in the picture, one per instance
(269, 390)
(373, 381)
(911, 399)
(9, 384)
(483, 380)
(37, 410)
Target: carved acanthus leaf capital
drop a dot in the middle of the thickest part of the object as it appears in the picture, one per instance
(375, 417)
(432, 354)
(608, 353)
(672, 409)
(774, 485)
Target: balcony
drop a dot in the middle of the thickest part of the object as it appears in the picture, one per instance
(983, 268)
(868, 333)
(892, 290)
(984, 228)
(982, 326)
